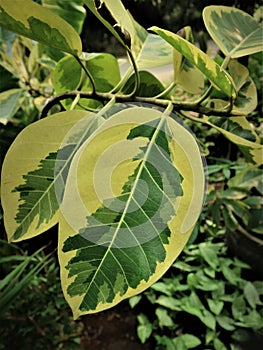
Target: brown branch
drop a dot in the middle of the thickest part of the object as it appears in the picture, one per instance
(101, 96)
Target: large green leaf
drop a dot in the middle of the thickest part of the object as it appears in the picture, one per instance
(29, 181)
(137, 186)
(38, 23)
(235, 32)
(203, 62)
(71, 11)
(104, 69)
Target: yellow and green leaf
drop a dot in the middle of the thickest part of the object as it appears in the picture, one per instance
(153, 52)
(238, 126)
(247, 179)
(235, 32)
(29, 19)
(187, 76)
(246, 99)
(216, 74)
(71, 11)
(242, 136)
(114, 16)
(32, 173)
(137, 186)
(149, 50)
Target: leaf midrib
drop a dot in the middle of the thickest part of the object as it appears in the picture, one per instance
(236, 48)
(162, 119)
(46, 193)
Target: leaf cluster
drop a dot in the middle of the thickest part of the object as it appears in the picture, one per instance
(234, 202)
(206, 288)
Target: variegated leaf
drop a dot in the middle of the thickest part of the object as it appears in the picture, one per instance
(134, 192)
(29, 19)
(251, 150)
(32, 170)
(247, 179)
(149, 50)
(238, 126)
(246, 99)
(187, 76)
(71, 11)
(114, 16)
(154, 52)
(235, 32)
(203, 62)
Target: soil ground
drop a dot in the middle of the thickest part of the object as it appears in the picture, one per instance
(113, 329)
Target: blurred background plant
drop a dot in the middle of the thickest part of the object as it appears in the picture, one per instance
(207, 300)
(33, 311)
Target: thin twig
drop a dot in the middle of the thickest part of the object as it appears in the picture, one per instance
(136, 73)
(92, 82)
(248, 235)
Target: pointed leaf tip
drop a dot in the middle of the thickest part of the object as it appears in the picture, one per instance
(216, 74)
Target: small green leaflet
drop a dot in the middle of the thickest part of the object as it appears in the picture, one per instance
(150, 86)
(136, 200)
(69, 76)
